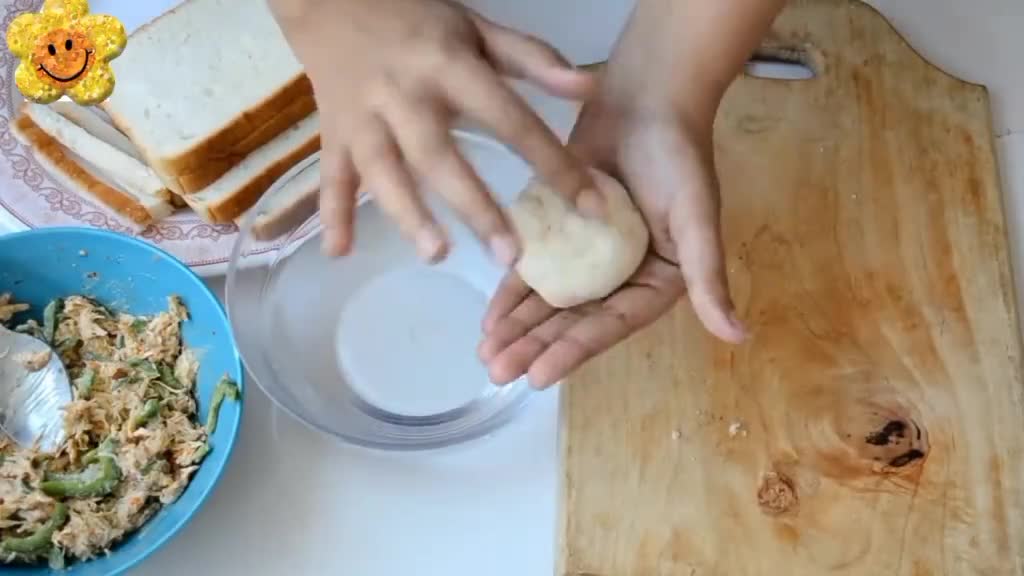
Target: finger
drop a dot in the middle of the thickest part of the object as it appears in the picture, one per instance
(482, 95)
(515, 360)
(572, 347)
(619, 316)
(522, 56)
(381, 167)
(530, 313)
(509, 294)
(420, 126)
(338, 188)
(589, 141)
(695, 229)
(338, 185)
(700, 257)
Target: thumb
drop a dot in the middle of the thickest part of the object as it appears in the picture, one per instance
(698, 243)
(523, 56)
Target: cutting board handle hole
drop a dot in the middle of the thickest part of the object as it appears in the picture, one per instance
(779, 63)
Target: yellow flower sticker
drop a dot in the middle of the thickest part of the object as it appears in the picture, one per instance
(65, 50)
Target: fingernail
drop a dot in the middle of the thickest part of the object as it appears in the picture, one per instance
(591, 203)
(738, 325)
(329, 244)
(429, 244)
(505, 249)
(496, 381)
(539, 385)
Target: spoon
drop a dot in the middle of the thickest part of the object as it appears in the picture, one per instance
(32, 401)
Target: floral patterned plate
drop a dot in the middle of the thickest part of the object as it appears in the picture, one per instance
(30, 198)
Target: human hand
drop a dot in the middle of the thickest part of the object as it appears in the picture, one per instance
(651, 127)
(664, 156)
(389, 77)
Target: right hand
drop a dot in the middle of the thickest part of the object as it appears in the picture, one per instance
(389, 78)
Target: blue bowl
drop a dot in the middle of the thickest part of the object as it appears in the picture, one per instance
(128, 275)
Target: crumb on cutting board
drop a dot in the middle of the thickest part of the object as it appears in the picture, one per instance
(737, 429)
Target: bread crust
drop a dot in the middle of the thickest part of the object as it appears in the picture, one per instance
(303, 204)
(73, 115)
(211, 158)
(234, 205)
(55, 158)
(269, 226)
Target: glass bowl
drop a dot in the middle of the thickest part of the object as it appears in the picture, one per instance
(376, 348)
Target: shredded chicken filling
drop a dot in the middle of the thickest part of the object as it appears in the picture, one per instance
(133, 438)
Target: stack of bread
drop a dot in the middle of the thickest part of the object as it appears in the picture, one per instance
(210, 108)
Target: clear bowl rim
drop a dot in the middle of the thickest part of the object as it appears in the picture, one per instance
(312, 227)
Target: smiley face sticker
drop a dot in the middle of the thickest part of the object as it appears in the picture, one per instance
(65, 50)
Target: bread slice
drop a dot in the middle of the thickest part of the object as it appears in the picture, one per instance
(123, 170)
(87, 118)
(204, 85)
(97, 123)
(76, 174)
(241, 187)
(287, 207)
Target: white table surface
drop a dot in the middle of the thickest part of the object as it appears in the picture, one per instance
(296, 502)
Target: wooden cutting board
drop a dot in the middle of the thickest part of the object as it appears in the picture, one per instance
(873, 425)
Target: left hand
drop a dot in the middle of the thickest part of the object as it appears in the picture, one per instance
(664, 156)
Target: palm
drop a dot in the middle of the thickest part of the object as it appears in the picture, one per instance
(524, 335)
(668, 168)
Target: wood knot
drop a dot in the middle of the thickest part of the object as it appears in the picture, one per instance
(896, 443)
(777, 494)
(883, 435)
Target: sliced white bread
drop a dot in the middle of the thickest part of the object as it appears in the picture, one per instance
(284, 209)
(125, 171)
(97, 124)
(76, 174)
(204, 85)
(241, 187)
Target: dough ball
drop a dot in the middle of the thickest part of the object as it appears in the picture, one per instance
(568, 258)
